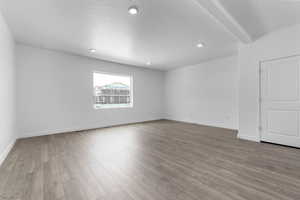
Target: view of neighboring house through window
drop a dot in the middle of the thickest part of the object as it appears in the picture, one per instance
(112, 91)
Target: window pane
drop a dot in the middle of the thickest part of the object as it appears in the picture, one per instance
(112, 91)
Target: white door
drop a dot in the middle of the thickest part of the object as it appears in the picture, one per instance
(280, 101)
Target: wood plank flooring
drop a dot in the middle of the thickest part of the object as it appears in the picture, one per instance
(161, 160)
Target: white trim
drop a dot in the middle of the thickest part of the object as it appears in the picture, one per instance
(260, 100)
(74, 129)
(201, 124)
(217, 10)
(6, 151)
(248, 137)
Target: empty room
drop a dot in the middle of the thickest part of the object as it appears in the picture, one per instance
(150, 100)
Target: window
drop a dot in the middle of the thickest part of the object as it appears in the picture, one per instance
(112, 91)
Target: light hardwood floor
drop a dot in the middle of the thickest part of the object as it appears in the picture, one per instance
(162, 160)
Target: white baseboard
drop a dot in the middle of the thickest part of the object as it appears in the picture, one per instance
(6, 151)
(239, 135)
(74, 129)
(202, 124)
(248, 137)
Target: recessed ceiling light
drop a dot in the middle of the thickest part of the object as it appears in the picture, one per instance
(148, 63)
(92, 50)
(200, 45)
(133, 10)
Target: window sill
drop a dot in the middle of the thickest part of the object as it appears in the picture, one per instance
(112, 106)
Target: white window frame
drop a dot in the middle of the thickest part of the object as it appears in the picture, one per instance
(115, 105)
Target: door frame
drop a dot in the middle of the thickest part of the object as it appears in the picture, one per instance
(260, 101)
(260, 90)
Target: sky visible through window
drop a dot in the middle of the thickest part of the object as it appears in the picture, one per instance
(106, 79)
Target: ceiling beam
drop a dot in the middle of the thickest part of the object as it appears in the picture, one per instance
(217, 10)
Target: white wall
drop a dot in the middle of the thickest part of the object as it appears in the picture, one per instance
(275, 45)
(7, 90)
(206, 93)
(55, 89)
(55, 93)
